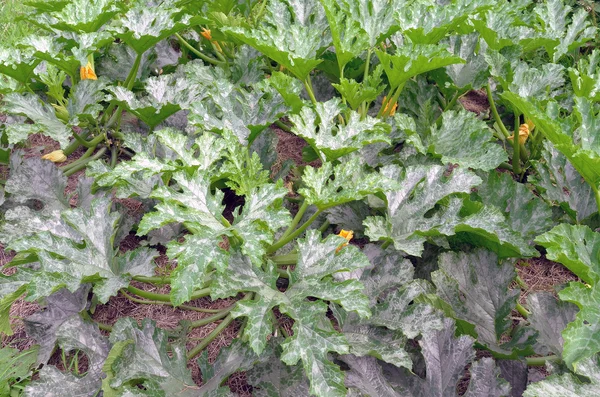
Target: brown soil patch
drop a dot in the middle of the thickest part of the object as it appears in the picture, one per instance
(541, 274)
(475, 101)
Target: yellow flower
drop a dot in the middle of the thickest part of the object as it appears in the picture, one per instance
(347, 234)
(206, 34)
(389, 108)
(523, 134)
(87, 72)
(56, 156)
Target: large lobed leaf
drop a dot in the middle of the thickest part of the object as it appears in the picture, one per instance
(577, 248)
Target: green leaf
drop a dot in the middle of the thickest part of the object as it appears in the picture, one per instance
(445, 359)
(318, 127)
(244, 112)
(424, 22)
(42, 114)
(348, 38)
(475, 285)
(74, 334)
(422, 187)
(33, 180)
(584, 155)
(585, 76)
(311, 345)
(559, 182)
(84, 15)
(349, 216)
(15, 368)
(501, 26)
(525, 212)
(366, 375)
(313, 335)
(550, 316)
(164, 95)
(142, 27)
(556, 34)
(584, 382)
(575, 246)
(51, 50)
(64, 262)
(273, 378)
(235, 357)
(290, 90)
(414, 59)
(150, 360)
(471, 75)
(191, 202)
(18, 64)
(461, 139)
(486, 380)
(60, 307)
(351, 182)
(291, 33)
(366, 91)
(84, 101)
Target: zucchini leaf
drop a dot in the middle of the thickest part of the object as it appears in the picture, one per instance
(577, 247)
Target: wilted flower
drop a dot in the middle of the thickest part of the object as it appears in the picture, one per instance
(523, 134)
(56, 156)
(347, 234)
(388, 107)
(87, 72)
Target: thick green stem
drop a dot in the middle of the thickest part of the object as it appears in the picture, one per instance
(74, 145)
(521, 283)
(522, 311)
(390, 100)
(386, 244)
(324, 226)
(287, 259)
(198, 53)
(283, 241)
(182, 307)
(83, 164)
(165, 297)
(210, 337)
(283, 126)
(363, 106)
(80, 160)
(540, 361)
(207, 320)
(495, 112)
(102, 326)
(88, 144)
(309, 89)
(516, 160)
(159, 280)
(296, 219)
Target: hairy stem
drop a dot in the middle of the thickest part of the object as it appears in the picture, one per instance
(210, 337)
(309, 88)
(522, 311)
(296, 219)
(540, 361)
(495, 111)
(83, 164)
(200, 55)
(287, 259)
(182, 307)
(165, 297)
(284, 240)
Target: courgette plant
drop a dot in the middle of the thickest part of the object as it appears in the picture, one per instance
(378, 266)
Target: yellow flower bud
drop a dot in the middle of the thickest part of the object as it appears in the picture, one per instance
(56, 156)
(347, 234)
(61, 112)
(206, 34)
(87, 72)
